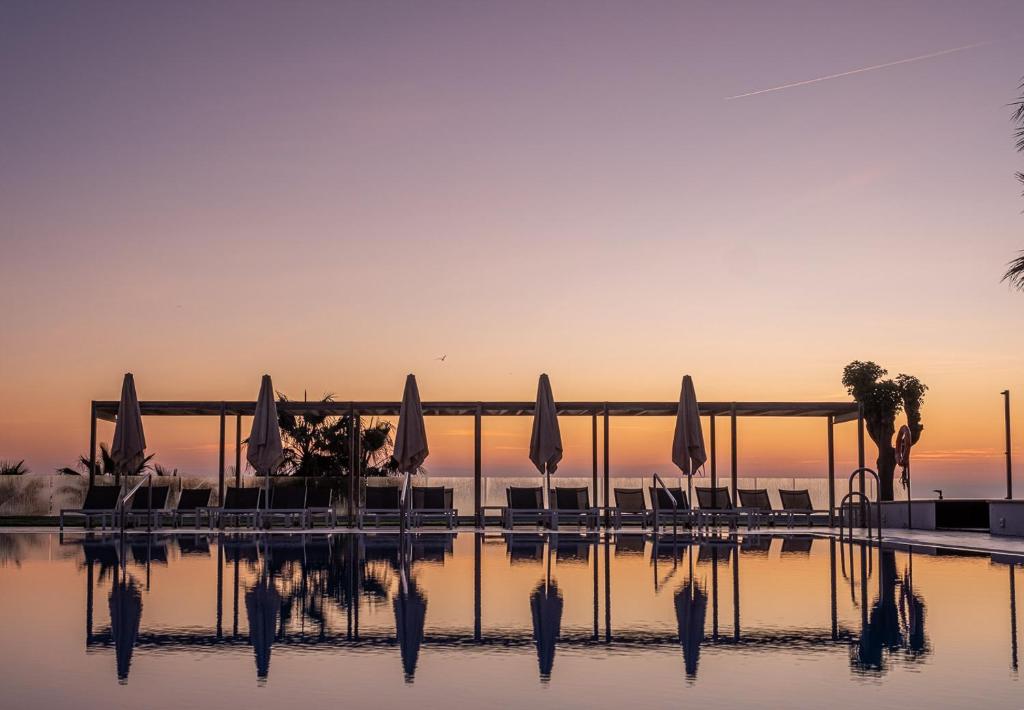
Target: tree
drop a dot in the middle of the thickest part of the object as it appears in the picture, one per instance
(12, 468)
(1015, 269)
(882, 399)
(105, 465)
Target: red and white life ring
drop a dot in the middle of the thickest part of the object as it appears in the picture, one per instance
(903, 445)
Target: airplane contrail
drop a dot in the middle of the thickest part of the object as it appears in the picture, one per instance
(860, 70)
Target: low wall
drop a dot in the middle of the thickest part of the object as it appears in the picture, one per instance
(1006, 517)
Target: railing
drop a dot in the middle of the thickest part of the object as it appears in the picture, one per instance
(656, 480)
(127, 497)
(846, 506)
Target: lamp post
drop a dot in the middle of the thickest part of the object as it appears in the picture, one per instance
(1009, 462)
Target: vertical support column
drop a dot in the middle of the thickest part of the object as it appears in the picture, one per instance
(734, 472)
(860, 461)
(220, 463)
(1009, 461)
(238, 451)
(353, 489)
(220, 591)
(714, 454)
(478, 467)
(92, 445)
(736, 596)
(593, 441)
(832, 586)
(477, 596)
(831, 471)
(606, 467)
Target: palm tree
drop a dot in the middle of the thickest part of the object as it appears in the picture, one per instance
(1015, 269)
(105, 465)
(11, 468)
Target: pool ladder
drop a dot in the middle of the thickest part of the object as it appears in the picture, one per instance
(846, 506)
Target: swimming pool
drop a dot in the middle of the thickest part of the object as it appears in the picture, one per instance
(539, 620)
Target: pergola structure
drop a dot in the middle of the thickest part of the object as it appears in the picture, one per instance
(833, 412)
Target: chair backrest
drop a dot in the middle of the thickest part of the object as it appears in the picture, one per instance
(288, 497)
(428, 497)
(630, 500)
(382, 498)
(140, 501)
(243, 498)
(520, 498)
(664, 502)
(755, 498)
(449, 498)
(101, 498)
(714, 498)
(572, 498)
(192, 498)
(796, 500)
(319, 497)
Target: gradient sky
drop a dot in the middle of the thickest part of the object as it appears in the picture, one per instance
(338, 193)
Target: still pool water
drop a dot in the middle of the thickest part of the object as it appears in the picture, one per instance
(468, 620)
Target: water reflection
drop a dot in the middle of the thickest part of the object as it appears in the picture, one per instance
(530, 592)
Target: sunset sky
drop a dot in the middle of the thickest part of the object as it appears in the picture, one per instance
(339, 193)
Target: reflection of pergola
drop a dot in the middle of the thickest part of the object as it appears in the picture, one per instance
(833, 412)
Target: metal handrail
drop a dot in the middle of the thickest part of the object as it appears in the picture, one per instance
(147, 480)
(656, 479)
(867, 501)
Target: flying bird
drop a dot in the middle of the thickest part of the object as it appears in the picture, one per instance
(442, 358)
(860, 70)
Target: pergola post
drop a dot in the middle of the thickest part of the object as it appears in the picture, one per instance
(593, 441)
(92, 445)
(606, 466)
(734, 472)
(220, 464)
(831, 471)
(478, 467)
(860, 450)
(238, 451)
(714, 455)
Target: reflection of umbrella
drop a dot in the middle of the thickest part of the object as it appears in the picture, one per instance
(262, 604)
(546, 439)
(129, 447)
(691, 608)
(125, 616)
(546, 609)
(410, 614)
(688, 451)
(265, 451)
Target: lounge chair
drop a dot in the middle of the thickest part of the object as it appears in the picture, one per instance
(142, 508)
(242, 504)
(667, 513)
(100, 502)
(630, 507)
(572, 505)
(757, 501)
(525, 505)
(193, 503)
(798, 503)
(320, 502)
(433, 503)
(288, 504)
(716, 503)
(381, 503)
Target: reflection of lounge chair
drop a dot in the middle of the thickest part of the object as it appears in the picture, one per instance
(756, 544)
(432, 547)
(797, 544)
(630, 544)
(572, 505)
(433, 504)
(382, 503)
(714, 553)
(525, 547)
(193, 503)
(240, 548)
(100, 502)
(798, 504)
(149, 550)
(193, 545)
(287, 504)
(241, 504)
(525, 505)
(572, 548)
(630, 507)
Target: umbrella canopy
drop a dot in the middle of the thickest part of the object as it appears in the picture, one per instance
(410, 615)
(546, 609)
(546, 439)
(262, 605)
(411, 438)
(265, 451)
(691, 603)
(688, 451)
(125, 616)
(129, 448)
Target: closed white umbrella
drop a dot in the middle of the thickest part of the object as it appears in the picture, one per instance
(688, 451)
(546, 439)
(265, 452)
(411, 438)
(129, 448)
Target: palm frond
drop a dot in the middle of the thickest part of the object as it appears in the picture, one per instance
(1015, 273)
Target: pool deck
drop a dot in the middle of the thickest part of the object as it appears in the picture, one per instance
(964, 541)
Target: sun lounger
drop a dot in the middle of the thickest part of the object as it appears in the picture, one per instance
(716, 504)
(798, 504)
(100, 502)
(193, 503)
(757, 501)
(572, 505)
(525, 505)
(240, 504)
(667, 513)
(287, 504)
(142, 507)
(382, 503)
(433, 504)
(630, 507)
(320, 503)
